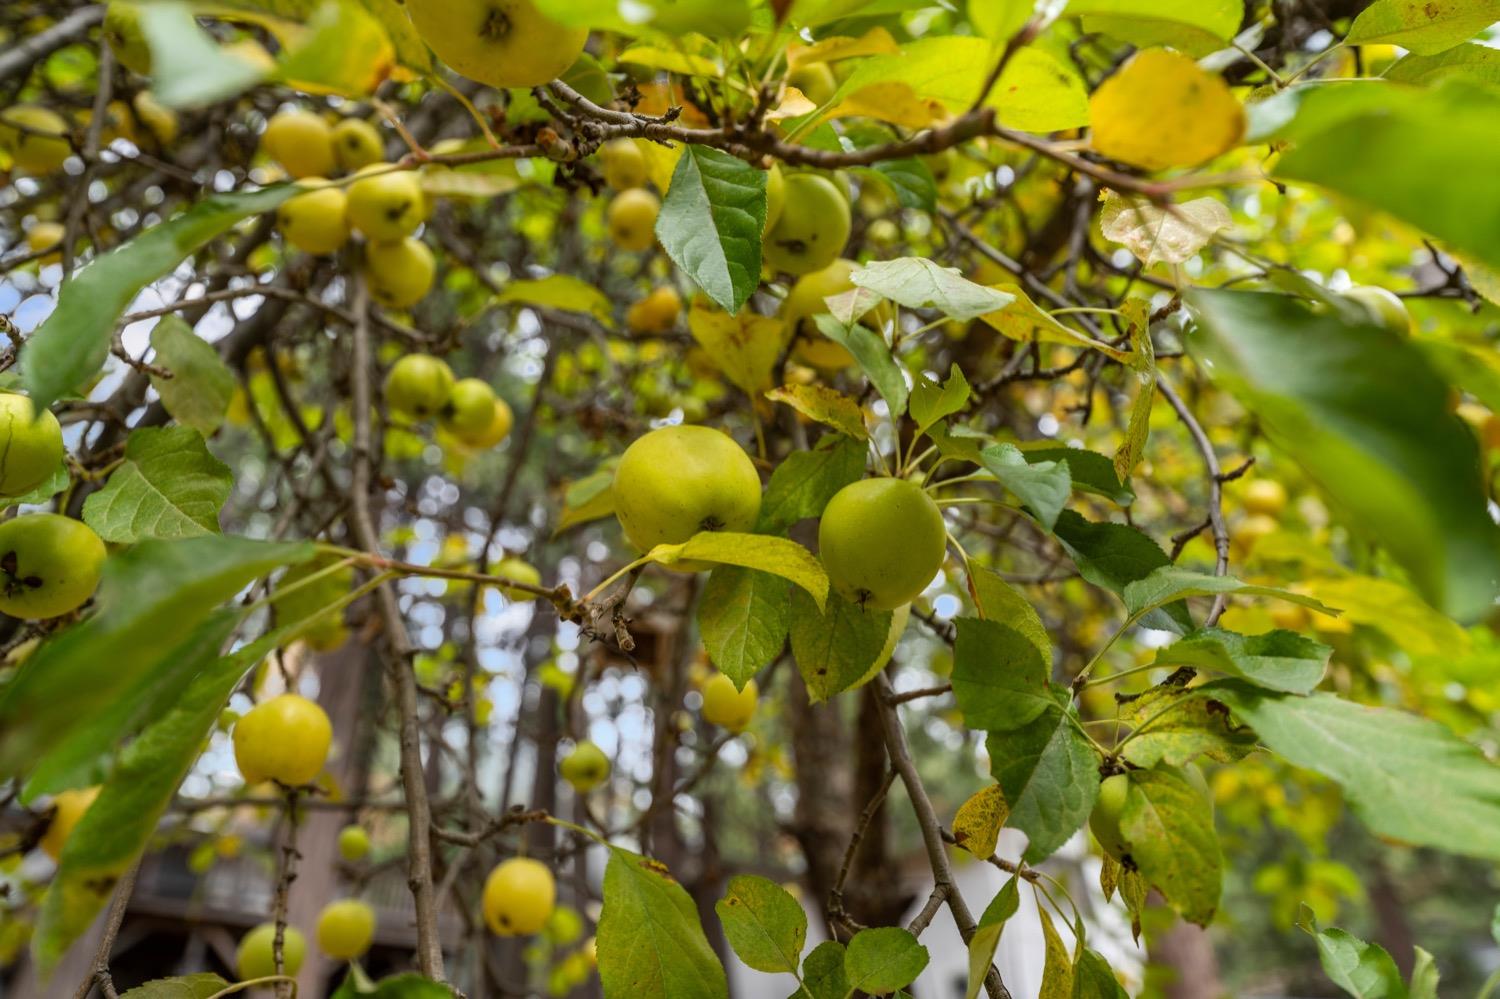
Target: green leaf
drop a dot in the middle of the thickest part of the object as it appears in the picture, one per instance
(1366, 417)
(1037, 92)
(1277, 660)
(883, 959)
(1171, 583)
(188, 68)
(1424, 28)
(1043, 486)
(1174, 725)
(743, 617)
(1057, 971)
(343, 50)
(909, 179)
(986, 938)
(560, 291)
(997, 600)
(1090, 471)
(1392, 608)
(76, 760)
(836, 647)
(1196, 27)
(151, 595)
(169, 486)
(198, 393)
(650, 943)
(1143, 365)
(823, 973)
(931, 402)
(805, 481)
(1000, 679)
(918, 283)
(199, 986)
(56, 483)
(715, 18)
(1361, 969)
(1408, 778)
(711, 223)
(70, 345)
(1473, 61)
(874, 356)
(1169, 824)
(408, 986)
(763, 923)
(117, 826)
(1094, 979)
(827, 406)
(1424, 975)
(1113, 556)
(1378, 144)
(765, 552)
(1050, 776)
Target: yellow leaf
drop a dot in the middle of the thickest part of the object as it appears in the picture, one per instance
(876, 41)
(892, 102)
(794, 104)
(824, 405)
(1024, 320)
(661, 162)
(1163, 110)
(671, 61)
(977, 825)
(744, 347)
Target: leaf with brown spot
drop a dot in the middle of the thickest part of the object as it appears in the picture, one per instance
(977, 825)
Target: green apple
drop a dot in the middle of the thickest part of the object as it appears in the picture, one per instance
(346, 929)
(518, 897)
(356, 144)
(882, 541)
(1104, 821)
(470, 409)
(677, 481)
(585, 767)
(315, 222)
(354, 843)
(386, 204)
(418, 386)
(727, 707)
(31, 445)
(49, 565)
(301, 142)
(256, 957)
(631, 218)
(813, 226)
(400, 274)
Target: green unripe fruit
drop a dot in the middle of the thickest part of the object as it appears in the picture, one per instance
(400, 274)
(586, 767)
(418, 386)
(284, 739)
(631, 219)
(677, 481)
(519, 571)
(1104, 820)
(816, 81)
(35, 137)
(623, 164)
(775, 196)
(726, 707)
(387, 205)
(1385, 307)
(813, 227)
(49, 565)
(470, 409)
(315, 222)
(354, 843)
(518, 897)
(357, 144)
(882, 541)
(122, 30)
(256, 957)
(31, 445)
(346, 929)
(806, 299)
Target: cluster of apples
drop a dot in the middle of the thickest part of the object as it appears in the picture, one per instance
(420, 387)
(881, 540)
(383, 203)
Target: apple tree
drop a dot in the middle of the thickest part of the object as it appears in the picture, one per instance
(734, 436)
